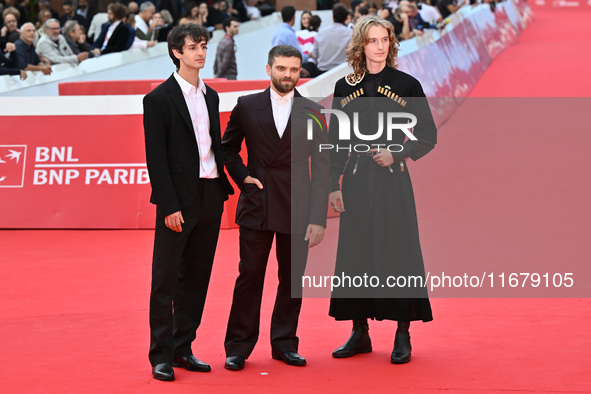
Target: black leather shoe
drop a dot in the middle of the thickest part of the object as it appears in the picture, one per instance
(163, 371)
(358, 342)
(234, 363)
(190, 363)
(402, 347)
(291, 358)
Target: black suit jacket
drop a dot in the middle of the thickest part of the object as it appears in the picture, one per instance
(117, 41)
(291, 183)
(172, 155)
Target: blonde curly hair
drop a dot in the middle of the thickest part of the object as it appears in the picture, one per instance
(355, 54)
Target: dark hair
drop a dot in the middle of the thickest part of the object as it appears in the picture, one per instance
(339, 13)
(228, 22)
(119, 10)
(287, 13)
(67, 2)
(188, 8)
(283, 51)
(315, 22)
(302, 16)
(176, 38)
(363, 10)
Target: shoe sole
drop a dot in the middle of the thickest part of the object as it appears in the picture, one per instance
(364, 350)
(233, 368)
(163, 378)
(400, 362)
(293, 364)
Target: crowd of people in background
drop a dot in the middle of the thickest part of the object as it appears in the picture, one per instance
(35, 38)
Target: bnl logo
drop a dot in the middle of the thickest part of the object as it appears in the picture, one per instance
(12, 165)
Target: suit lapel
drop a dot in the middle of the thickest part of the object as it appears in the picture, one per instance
(265, 117)
(176, 95)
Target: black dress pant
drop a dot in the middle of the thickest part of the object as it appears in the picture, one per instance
(243, 325)
(181, 268)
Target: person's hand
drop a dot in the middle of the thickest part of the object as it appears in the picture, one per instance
(383, 157)
(3, 31)
(45, 69)
(10, 47)
(96, 51)
(304, 73)
(82, 56)
(403, 16)
(314, 235)
(250, 179)
(151, 43)
(418, 32)
(23, 75)
(82, 38)
(174, 221)
(336, 201)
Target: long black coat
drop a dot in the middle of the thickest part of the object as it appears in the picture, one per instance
(378, 233)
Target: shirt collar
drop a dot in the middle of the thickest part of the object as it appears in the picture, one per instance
(275, 96)
(186, 86)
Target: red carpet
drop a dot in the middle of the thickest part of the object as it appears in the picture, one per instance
(74, 310)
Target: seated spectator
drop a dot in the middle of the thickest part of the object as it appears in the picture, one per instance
(133, 41)
(173, 7)
(54, 47)
(76, 40)
(401, 22)
(143, 29)
(195, 13)
(163, 23)
(82, 9)
(372, 8)
(44, 5)
(70, 14)
(98, 20)
(133, 7)
(8, 64)
(10, 31)
(44, 16)
(253, 13)
(429, 13)
(416, 22)
(331, 41)
(240, 8)
(22, 12)
(448, 7)
(114, 34)
(225, 57)
(26, 57)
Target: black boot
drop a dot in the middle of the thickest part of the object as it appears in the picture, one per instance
(359, 341)
(402, 348)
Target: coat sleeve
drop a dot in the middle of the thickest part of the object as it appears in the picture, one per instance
(51, 53)
(320, 179)
(155, 133)
(231, 146)
(338, 158)
(425, 131)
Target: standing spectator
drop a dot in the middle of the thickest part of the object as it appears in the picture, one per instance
(10, 31)
(284, 35)
(70, 14)
(331, 41)
(54, 47)
(143, 29)
(225, 57)
(27, 58)
(76, 40)
(114, 35)
(448, 7)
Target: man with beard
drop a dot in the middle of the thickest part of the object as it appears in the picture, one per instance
(54, 47)
(114, 34)
(265, 207)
